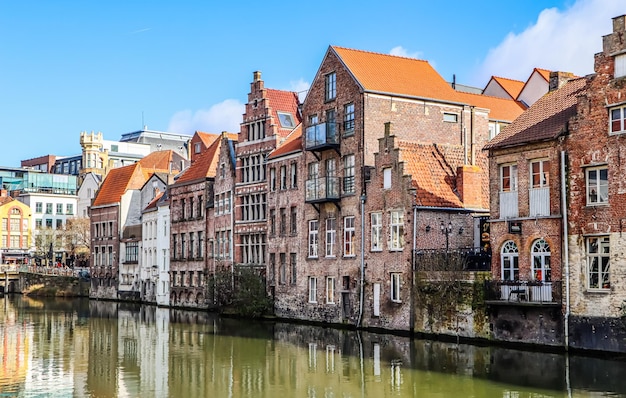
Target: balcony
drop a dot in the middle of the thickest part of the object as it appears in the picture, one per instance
(523, 292)
(322, 189)
(322, 136)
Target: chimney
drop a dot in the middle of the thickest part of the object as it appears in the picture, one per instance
(469, 186)
(3, 193)
(256, 76)
(558, 79)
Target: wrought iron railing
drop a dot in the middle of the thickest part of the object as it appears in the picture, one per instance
(524, 291)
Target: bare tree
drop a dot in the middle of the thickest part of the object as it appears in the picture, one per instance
(47, 241)
(76, 238)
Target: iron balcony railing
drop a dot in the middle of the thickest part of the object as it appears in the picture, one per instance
(321, 135)
(322, 189)
(537, 292)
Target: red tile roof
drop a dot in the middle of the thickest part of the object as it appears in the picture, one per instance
(291, 144)
(411, 77)
(545, 120)
(205, 165)
(206, 138)
(512, 87)
(159, 161)
(283, 101)
(544, 73)
(433, 170)
(153, 202)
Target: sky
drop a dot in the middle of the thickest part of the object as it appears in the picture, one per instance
(181, 66)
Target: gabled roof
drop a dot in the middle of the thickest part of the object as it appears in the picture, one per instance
(512, 87)
(283, 101)
(206, 138)
(5, 199)
(158, 161)
(117, 182)
(395, 75)
(205, 165)
(545, 120)
(291, 144)
(153, 202)
(501, 109)
(433, 170)
(543, 73)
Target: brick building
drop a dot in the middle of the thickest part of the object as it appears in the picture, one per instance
(190, 196)
(270, 116)
(352, 96)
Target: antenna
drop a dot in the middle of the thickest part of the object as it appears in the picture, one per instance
(142, 121)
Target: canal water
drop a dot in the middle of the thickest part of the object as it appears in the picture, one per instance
(83, 348)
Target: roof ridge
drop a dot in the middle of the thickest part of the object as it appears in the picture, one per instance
(378, 53)
(507, 78)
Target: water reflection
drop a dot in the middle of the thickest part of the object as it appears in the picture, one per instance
(104, 349)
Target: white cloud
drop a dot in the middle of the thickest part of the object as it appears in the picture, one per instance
(563, 40)
(301, 87)
(403, 52)
(224, 116)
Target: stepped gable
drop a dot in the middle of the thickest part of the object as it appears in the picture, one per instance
(546, 119)
(433, 170)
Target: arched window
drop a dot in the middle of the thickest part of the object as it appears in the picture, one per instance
(540, 253)
(509, 261)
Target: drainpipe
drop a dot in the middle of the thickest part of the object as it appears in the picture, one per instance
(565, 249)
(362, 289)
(412, 293)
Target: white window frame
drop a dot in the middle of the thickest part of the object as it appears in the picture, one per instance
(349, 235)
(617, 120)
(542, 173)
(313, 238)
(450, 117)
(511, 178)
(598, 262)
(330, 290)
(540, 261)
(376, 240)
(331, 236)
(312, 289)
(509, 261)
(387, 178)
(396, 284)
(601, 189)
(396, 230)
(349, 174)
(620, 66)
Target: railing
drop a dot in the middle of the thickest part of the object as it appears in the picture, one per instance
(539, 201)
(460, 259)
(508, 204)
(523, 291)
(322, 188)
(320, 135)
(59, 271)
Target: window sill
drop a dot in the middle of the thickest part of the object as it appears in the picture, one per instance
(349, 256)
(599, 291)
(396, 301)
(376, 250)
(396, 249)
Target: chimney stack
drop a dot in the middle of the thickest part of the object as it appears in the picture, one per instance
(558, 79)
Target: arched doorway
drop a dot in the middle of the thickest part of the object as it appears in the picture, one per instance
(541, 272)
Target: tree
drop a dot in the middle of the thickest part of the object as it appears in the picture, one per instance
(47, 240)
(76, 238)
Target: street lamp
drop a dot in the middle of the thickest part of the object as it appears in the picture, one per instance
(446, 230)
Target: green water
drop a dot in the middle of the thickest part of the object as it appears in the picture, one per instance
(82, 348)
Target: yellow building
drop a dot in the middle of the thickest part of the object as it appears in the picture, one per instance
(14, 230)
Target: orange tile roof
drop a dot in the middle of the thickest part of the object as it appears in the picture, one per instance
(544, 73)
(205, 165)
(501, 109)
(116, 183)
(546, 119)
(283, 101)
(291, 144)
(395, 75)
(433, 170)
(153, 202)
(206, 138)
(512, 87)
(158, 161)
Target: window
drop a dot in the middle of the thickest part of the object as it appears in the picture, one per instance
(620, 66)
(282, 274)
(38, 223)
(450, 117)
(541, 261)
(69, 209)
(508, 178)
(396, 278)
(313, 242)
(48, 208)
(312, 290)
(272, 222)
(293, 266)
(286, 120)
(387, 178)
(197, 147)
(509, 262)
(330, 125)
(597, 185)
(294, 220)
(618, 119)
(598, 252)
(114, 148)
(396, 230)
(272, 179)
(330, 290)
(283, 221)
(348, 174)
(283, 177)
(48, 223)
(348, 119)
(132, 252)
(377, 230)
(348, 236)
(331, 86)
(272, 268)
(331, 234)
(294, 175)
(59, 224)
(38, 207)
(174, 246)
(540, 173)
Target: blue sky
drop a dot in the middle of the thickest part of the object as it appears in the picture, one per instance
(180, 66)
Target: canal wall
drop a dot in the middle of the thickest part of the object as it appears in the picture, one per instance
(33, 284)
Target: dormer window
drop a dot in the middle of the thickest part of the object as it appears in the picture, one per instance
(620, 66)
(286, 120)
